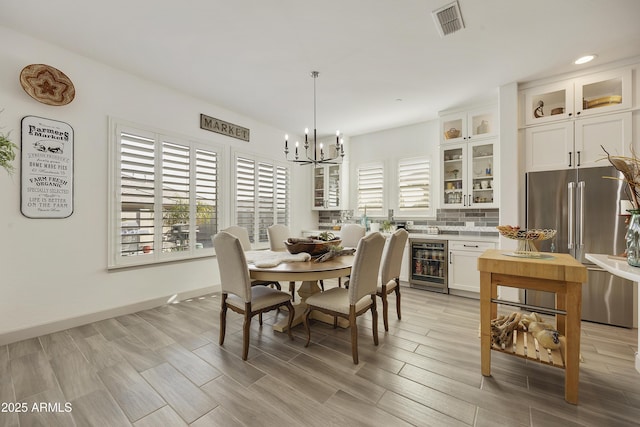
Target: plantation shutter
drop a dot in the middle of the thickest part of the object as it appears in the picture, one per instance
(414, 180)
(371, 188)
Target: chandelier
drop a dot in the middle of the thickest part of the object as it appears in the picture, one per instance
(306, 159)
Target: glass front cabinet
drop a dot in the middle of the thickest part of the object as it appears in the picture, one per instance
(599, 93)
(469, 125)
(326, 187)
(469, 178)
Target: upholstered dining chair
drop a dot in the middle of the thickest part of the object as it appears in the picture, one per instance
(390, 272)
(350, 234)
(237, 292)
(278, 233)
(359, 298)
(243, 236)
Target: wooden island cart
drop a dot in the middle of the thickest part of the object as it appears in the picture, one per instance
(551, 272)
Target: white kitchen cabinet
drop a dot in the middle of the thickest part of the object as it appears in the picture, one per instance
(577, 143)
(463, 264)
(600, 93)
(469, 125)
(327, 183)
(468, 174)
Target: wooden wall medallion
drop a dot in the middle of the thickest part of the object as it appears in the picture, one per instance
(47, 84)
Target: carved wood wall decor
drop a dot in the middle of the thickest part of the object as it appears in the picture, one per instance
(47, 84)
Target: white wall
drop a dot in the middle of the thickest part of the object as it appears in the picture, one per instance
(54, 270)
(391, 145)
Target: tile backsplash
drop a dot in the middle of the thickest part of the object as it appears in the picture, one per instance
(449, 221)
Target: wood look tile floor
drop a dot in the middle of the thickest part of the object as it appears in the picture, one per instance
(163, 367)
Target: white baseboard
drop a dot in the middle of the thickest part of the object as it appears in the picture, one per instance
(61, 325)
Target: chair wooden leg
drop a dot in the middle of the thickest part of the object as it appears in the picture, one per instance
(290, 321)
(321, 285)
(260, 318)
(385, 308)
(339, 282)
(223, 320)
(374, 316)
(292, 291)
(398, 299)
(305, 317)
(354, 334)
(246, 331)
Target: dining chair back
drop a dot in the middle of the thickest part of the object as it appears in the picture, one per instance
(359, 298)
(350, 234)
(278, 233)
(238, 294)
(242, 234)
(390, 272)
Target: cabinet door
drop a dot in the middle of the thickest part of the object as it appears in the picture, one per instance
(482, 174)
(548, 103)
(333, 187)
(549, 147)
(454, 175)
(482, 124)
(463, 264)
(463, 270)
(612, 131)
(453, 128)
(319, 195)
(603, 92)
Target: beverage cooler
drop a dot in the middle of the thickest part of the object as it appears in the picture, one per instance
(428, 264)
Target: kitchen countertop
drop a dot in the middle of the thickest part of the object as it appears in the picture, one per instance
(621, 268)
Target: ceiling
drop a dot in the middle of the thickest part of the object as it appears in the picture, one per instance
(382, 63)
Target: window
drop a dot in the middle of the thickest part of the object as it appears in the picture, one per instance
(371, 188)
(414, 182)
(165, 197)
(262, 196)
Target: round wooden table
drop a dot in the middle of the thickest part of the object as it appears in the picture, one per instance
(307, 272)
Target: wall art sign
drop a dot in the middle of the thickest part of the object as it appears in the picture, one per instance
(225, 128)
(46, 168)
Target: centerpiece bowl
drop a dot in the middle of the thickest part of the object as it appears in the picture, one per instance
(311, 246)
(526, 238)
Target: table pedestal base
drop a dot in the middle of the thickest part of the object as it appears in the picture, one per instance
(307, 289)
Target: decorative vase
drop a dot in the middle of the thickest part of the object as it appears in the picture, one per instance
(633, 238)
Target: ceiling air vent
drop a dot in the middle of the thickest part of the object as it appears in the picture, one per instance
(448, 19)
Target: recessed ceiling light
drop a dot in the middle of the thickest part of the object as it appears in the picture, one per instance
(584, 59)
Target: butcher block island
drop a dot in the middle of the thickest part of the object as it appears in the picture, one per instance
(551, 272)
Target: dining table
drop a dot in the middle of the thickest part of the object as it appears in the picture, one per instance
(308, 272)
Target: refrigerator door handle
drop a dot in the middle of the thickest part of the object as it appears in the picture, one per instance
(580, 224)
(571, 214)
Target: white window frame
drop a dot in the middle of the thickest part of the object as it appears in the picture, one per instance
(377, 171)
(116, 230)
(404, 166)
(278, 203)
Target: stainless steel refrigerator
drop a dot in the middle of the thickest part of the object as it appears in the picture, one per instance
(584, 206)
